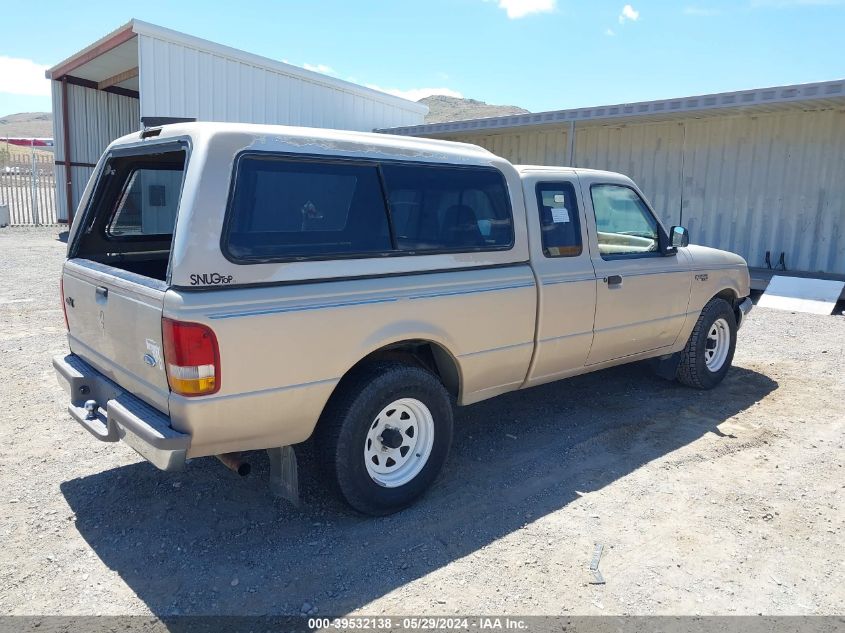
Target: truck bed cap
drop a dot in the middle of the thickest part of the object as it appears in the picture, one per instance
(322, 139)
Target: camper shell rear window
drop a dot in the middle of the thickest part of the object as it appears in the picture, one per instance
(130, 217)
(293, 208)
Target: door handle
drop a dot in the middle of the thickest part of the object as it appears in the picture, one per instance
(102, 292)
(613, 280)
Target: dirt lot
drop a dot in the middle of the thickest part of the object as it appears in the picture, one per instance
(725, 502)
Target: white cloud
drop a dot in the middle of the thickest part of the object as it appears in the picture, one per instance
(520, 8)
(23, 77)
(415, 94)
(320, 68)
(628, 13)
(609, 32)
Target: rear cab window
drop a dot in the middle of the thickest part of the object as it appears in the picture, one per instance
(560, 226)
(288, 208)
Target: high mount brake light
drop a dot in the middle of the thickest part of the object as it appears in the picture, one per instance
(191, 357)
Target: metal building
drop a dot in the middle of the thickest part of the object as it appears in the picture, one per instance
(143, 70)
(755, 171)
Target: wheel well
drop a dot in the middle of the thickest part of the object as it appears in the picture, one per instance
(728, 295)
(731, 297)
(425, 354)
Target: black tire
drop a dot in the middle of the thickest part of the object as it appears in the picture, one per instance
(693, 370)
(342, 431)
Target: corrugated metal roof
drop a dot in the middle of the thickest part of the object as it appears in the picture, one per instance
(104, 43)
(827, 94)
(118, 59)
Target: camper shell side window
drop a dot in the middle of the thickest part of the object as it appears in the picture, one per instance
(285, 208)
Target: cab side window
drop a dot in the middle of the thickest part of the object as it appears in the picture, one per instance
(624, 223)
(559, 225)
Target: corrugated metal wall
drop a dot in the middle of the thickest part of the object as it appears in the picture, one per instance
(527, 147)
(769, 183)
(180, 81)
(750, 184)
(650, 153)
(96, 119)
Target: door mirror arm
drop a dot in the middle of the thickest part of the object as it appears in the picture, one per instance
(664, 242)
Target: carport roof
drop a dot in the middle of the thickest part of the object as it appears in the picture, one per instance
(820, 95)
(106, 59)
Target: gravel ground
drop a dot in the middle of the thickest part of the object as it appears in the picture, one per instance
(724, 502)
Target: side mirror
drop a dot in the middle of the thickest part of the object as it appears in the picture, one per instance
(678, 237)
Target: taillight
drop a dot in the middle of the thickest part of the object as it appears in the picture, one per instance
(62, 298)
(191, 358)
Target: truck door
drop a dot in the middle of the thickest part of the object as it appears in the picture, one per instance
(641, 293)
(565, 275)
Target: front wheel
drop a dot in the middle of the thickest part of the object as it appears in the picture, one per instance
(710, 349)
(385, 435)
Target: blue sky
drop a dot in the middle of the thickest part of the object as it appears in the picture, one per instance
(539, 54)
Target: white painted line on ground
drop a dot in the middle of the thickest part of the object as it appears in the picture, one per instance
(802, 294)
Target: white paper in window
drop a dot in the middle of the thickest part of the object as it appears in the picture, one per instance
(560, 215)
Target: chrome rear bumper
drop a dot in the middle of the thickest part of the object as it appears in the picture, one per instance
(119, 415)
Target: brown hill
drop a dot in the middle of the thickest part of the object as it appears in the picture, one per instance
(442, 108)
(27, 124)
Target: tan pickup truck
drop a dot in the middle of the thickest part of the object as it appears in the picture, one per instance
(235, 287)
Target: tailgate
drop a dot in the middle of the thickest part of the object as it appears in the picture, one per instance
(114, 323)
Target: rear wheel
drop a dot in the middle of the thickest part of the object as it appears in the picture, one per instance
(710, 349)
(385, 435)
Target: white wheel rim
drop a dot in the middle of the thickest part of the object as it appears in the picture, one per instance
(717, 344)
(399, 442)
